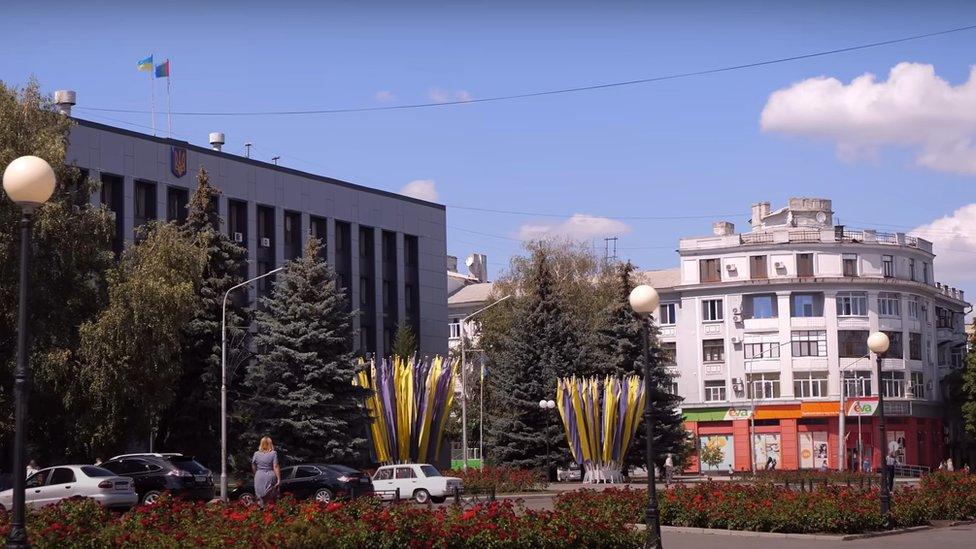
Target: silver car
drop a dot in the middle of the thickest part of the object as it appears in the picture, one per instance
(51, 485)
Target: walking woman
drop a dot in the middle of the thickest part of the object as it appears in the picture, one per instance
(267, 473)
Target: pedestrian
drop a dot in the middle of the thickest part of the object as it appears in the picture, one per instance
(824, 466)
(31, 468)
(965, 468)
(98, 461)
(942, 465)
(668, 470)
(267, 472)
(888, 475)
(949, 464)
(770, 463)
(866, 465)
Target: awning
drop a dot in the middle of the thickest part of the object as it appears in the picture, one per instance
(819, 409)
(779, 411)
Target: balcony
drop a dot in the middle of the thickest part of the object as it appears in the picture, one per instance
(805, 235)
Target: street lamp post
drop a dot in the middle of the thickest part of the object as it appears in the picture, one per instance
(223, 382)
(878, 343)
(29, 181)
(644, 300)
(464, 389)
(547, 405)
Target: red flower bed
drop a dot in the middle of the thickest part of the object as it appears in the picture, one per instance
(773, 508)
(364, 523)
(500, 480)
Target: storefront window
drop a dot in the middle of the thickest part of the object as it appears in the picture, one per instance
(766, 449)
(716, 453)
(813, 449)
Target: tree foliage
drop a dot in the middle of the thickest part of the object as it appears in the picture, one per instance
(405, 342)
(301, 379)
(968, 386)
(192, 422)
(131, 352)
(71, 245)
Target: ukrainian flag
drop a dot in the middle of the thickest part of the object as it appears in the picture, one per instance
(146, 64)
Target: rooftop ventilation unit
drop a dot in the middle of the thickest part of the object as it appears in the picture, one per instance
(216, 140)
(64, 100)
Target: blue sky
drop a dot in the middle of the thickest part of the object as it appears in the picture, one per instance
(688, 147)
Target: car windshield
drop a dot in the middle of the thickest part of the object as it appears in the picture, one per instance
(188, 464)
(430, 471)
(92, 471)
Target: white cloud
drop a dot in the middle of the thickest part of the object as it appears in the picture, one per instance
(913, 109)
(385, 96)
(424, 189)
(438, 95)
(954, 243)
(579, 226)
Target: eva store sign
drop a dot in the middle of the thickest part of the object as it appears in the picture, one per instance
(862, 407)
(737, 413)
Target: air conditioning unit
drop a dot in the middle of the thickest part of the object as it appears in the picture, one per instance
(779, 265)
(735, 310)
(729, 267)
(265, 242)
(735, 340)
(238, 237)
(736, 318)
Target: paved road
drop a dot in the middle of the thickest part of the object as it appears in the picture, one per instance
(957, 537)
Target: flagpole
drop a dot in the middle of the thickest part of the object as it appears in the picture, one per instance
(169, 105)
(152, 97)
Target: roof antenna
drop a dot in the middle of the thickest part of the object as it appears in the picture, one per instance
(247, 149)
(275, 159)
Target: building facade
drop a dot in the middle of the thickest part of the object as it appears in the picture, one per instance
(387, 249)
(766, 329)
(466, 294)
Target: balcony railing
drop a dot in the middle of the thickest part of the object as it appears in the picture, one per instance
(807, 235)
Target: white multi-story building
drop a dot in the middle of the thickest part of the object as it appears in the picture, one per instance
(768, 325)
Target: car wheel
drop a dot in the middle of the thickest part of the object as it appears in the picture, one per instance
(323, 495)
(441, 499)
(151, 497)
(247, 499)
(421, 496)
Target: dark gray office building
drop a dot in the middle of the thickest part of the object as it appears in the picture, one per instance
(388, 249)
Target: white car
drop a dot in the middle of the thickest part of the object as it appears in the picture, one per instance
(51, 485)
(421, 482)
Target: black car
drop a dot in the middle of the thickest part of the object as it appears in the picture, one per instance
(323, 482)
(181, 476)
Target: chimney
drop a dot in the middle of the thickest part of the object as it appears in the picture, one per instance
(451, 264)
(64, 100)
(723, 228)
(477, 266)
(216, 140)
(759, 211)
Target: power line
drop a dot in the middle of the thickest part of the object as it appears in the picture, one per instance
(591, 87)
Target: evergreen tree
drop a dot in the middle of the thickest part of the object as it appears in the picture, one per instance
(541, 346)
(192, 423)
(618, 350)
(301, 378)
(404, 343)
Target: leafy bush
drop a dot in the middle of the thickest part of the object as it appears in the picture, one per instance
(503, 480)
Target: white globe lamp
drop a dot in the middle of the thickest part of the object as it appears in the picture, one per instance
(29, 181)
(878, 342)
(644, 299)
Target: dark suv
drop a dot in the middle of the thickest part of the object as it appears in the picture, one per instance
(153, 474)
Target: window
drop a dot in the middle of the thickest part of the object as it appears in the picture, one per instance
(144, 209)
(925, 272)
(893, 384)
(943, 317)
(889, 304)
(61, 475)
(384, 474)
(305, 471)
(895, 347)
(757, 267)
(714, 390)
(918, 385)
(455, 328)
(804, 264)
(668, 314)
(176, 199)
(430, 471)
(96, 472)
(755, 351)
(888, 266)
(670, 387)
(807, 305)
(764, 385)
(293, 239)
(852, 343)
(809, 384)
(761, 306)
(849, 262)
(914, 346)
(710, 270)
(809, 343)
(669, 353)
(364, 292)
(712, 310)
(405, 472)
(852, 304)
(913, 308)
(857, 383)
(37, 479)
(713, 350)
(911, 268)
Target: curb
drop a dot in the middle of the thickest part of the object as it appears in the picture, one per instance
(786, 535)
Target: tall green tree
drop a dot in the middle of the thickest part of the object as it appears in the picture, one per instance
(966, 391)
(71, 252)
(405, 342)
(618, 350)
(541, 345)
(131, 353)
(192, 422)
(301, 378)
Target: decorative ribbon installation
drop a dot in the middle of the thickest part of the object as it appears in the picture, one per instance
(600, 417)
(409, 406)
